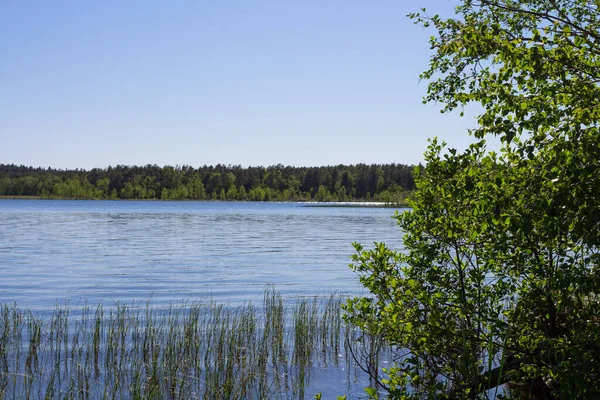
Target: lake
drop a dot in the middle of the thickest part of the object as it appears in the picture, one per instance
(74, 253)
(58, 251)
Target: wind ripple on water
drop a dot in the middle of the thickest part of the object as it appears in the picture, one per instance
(120, 251)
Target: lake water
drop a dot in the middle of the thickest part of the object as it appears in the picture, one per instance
(109, 252)
(54, 251)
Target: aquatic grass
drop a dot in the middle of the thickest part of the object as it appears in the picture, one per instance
(184, 351)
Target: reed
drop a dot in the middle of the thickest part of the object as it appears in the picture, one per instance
(185, 351)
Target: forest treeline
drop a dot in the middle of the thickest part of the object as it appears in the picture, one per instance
(389, 183)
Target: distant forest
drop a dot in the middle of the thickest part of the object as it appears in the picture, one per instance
(389, 183)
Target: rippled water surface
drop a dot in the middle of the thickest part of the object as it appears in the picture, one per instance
(108, 251)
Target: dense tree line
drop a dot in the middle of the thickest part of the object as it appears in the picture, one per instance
(388, 182)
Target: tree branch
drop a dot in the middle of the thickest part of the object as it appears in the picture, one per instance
(546, 16)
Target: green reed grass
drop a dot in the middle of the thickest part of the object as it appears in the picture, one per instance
(187, 351)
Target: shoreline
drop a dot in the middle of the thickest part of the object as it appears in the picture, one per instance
(304, 203)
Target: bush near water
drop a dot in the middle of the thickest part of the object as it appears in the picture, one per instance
(496, 292)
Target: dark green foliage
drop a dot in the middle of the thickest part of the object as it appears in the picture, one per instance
(390, 183)
(493, 286)
(499, 278)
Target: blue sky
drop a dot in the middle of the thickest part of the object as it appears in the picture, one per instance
(88, 84)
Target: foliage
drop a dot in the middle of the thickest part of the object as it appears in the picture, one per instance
(499, 278)
(533, 65)
(390, 183)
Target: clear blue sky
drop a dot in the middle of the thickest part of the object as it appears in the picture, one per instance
(88, 84)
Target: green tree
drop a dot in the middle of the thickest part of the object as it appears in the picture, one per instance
(322, 194)
(213, 184)
(242, 193)
(103, 186)
(256, 194)
(196, 188)
(228, 181)
(232, 193)
(180, 192)
(5, 186)
(150, 185)
(127, 191)
(341, 193)
(500, 276)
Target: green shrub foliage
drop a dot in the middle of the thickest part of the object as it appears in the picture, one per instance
(495, 293)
